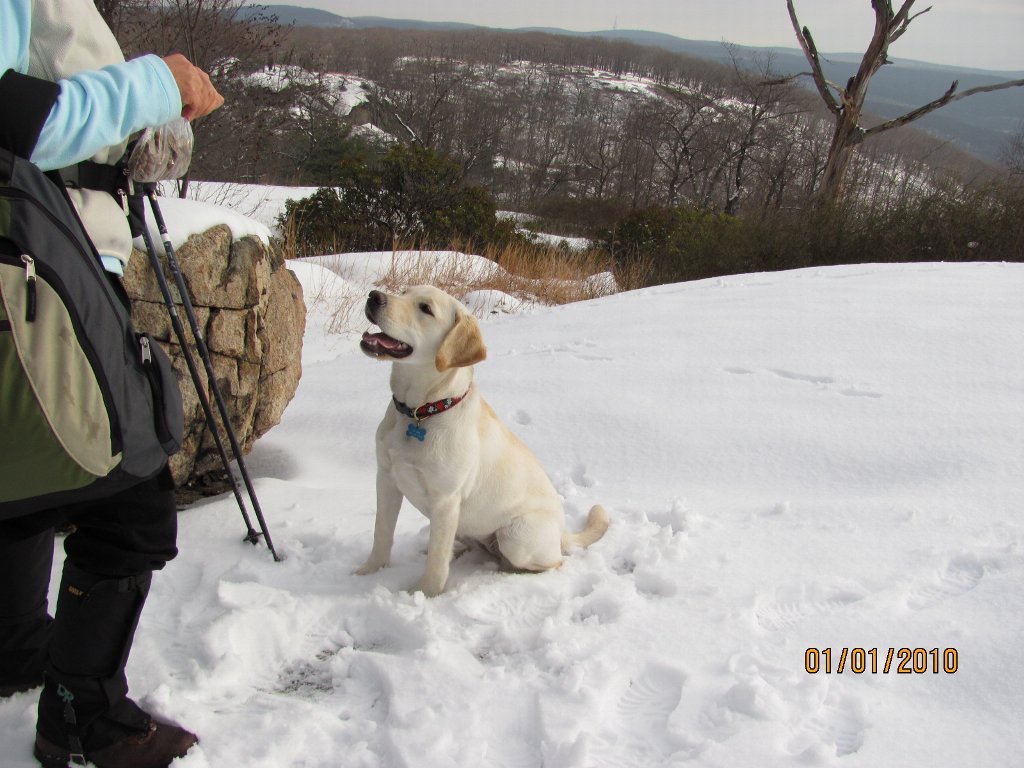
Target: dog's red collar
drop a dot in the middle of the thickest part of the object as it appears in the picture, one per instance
(428, 409)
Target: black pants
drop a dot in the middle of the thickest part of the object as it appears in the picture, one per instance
(129, 534)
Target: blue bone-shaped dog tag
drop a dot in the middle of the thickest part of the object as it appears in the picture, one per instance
(415, 431)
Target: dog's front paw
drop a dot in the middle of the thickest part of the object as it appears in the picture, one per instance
(430, 587)
(370, 566)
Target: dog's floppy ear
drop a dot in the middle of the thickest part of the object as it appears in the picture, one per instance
(463, 346)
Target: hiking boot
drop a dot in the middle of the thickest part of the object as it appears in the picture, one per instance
(155, 747)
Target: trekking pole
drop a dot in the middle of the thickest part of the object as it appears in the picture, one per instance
(252, 536)
(179, 331)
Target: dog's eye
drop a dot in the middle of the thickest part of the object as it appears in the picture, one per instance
(425, 309)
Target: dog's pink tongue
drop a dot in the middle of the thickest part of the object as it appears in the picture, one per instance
(383, 340)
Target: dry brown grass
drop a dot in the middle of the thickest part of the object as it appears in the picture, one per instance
(532, 275)
(552, 275)
(451, 272)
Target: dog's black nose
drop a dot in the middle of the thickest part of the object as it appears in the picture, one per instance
(377, 299)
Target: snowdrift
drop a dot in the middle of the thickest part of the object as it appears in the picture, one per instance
(824, 459)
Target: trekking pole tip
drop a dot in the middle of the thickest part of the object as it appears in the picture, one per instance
(253, 537)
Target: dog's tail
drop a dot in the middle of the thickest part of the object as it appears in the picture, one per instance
(597, 524)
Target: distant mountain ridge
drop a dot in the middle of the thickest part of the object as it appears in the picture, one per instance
(981, 125)
(301, 17)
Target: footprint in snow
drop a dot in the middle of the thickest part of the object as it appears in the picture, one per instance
(650, 582)
(379, 629)
(599, 607)
(578, 351)
(836, 729)
(522, 418)
(855, 392)
(793, 605)
(806, 377)
(643, 713)
(366, 693)
(961, 575)
(306, 680)
(511, 610)
(581, 478)
(822, 381)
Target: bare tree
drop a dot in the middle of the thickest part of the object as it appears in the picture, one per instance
(672, 127)
(765, 104)
(1013, 155)
(846, 103)
(128, 20)
(222, 37)
(418, 99)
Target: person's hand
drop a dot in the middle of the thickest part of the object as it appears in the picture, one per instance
(198, 96)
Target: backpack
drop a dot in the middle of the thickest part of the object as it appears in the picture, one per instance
(88, 406)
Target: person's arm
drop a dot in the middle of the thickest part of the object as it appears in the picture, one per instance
(104, 107)
(100, 108)
(15, 23)
(198, 96)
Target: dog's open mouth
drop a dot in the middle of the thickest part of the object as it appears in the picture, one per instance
(382, 345)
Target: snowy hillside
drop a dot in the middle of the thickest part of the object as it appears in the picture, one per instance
(824, 459)
(590, 130)
(343, 93)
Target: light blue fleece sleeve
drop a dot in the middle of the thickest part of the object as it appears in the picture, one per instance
(15, 23)
(103, 107)
(95, 109)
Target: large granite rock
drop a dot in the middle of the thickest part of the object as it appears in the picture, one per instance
(250, 310)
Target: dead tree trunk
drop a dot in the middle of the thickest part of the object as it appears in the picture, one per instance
(847, 103)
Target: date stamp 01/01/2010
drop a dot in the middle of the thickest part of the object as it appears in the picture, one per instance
(900, 661)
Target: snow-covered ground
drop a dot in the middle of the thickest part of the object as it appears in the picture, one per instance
(257, 205)
(344, 92)
(821, 459)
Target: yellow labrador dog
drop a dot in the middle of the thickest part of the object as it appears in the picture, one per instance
(442, 447)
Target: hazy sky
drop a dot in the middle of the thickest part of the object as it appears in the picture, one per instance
(988, 34)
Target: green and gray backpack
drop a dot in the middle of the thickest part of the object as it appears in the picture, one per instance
(87, 405)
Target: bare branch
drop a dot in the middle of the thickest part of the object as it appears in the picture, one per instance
(898, 33)
(790, 78)
(807, 44)
(786, 78)
(919, 13)
(989, 88)
(914, 115)
(947, 98)
(901, 15)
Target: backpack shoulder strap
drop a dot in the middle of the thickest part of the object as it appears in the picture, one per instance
(20, 128)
